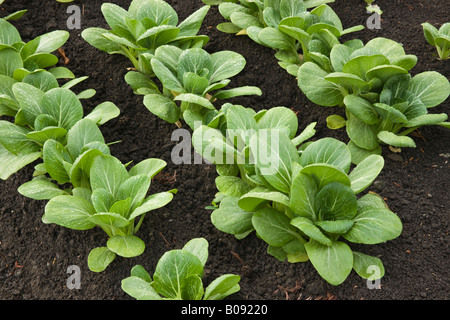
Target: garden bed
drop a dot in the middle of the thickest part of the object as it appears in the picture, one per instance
(34, 256)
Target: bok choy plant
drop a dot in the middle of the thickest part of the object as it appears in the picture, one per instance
(147, 24)
(296, 34)
(300, 198)
(438, 38)
(102, 191)
(41, 116)
(193, 78)
(178, 276)
(383, 102)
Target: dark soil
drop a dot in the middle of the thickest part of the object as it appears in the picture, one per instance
(34, 257)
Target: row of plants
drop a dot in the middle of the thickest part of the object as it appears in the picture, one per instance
(84, 185)
(300, 197)
(382, 102)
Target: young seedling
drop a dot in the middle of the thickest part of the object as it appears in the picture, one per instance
(178, 276)
(382, 101)
(438, 38)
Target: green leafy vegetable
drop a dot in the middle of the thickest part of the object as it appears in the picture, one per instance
(383, 102)
(147, 24)
(300, 198)
(105, 194)
(178, 276)
(195, 79)
(438, 38)
(296, 34)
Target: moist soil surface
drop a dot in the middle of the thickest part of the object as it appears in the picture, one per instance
(35, 257)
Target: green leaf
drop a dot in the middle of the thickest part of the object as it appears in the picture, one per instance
(374, 225)
(139, 289)
(235, 92)
(327, 150)
(324, 174)
(244, 20)
(367, 267)
(230, 218)
(394, 140)
(359, 154)
(191, 25)
(82, 133)
(99, 259)
(165, 75)
(172, 270)
(311, 80)
(10, 61)
(103, 112)
(109, 219)
(94, 36)
(336, 201)
(225, 64)
(280, 118)
(334, 263)
(126, 246)
(366, 172)
(252, 199)
(14, 138)
(303, 196)
(9, 35)
(389, 48)
(308, 228)
(157, 11)
(51, 41)
(163, 107)
(70, 212)
(195, 99)
(274, 154)
(64, 106)
(56, 158)
(222, 287)
(232, 186)
(362, 134)
(109, 173)
(431, 87)
(335, 226)
(273, 227)
(40, 190)
(153, 202)
(335, 122)
(427, 119)
(199, 248)
(12, 163)
(361, 109)
(149, 167)
(275, 39)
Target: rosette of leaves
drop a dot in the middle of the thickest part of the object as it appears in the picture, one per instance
(228, 146)
(19, 58)
(178, 276)
(147, 24)
(382, 102)
(194, 79)
(300, 200)
(296, 34)
(438, 38)
(42, 111)
(104, 194)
